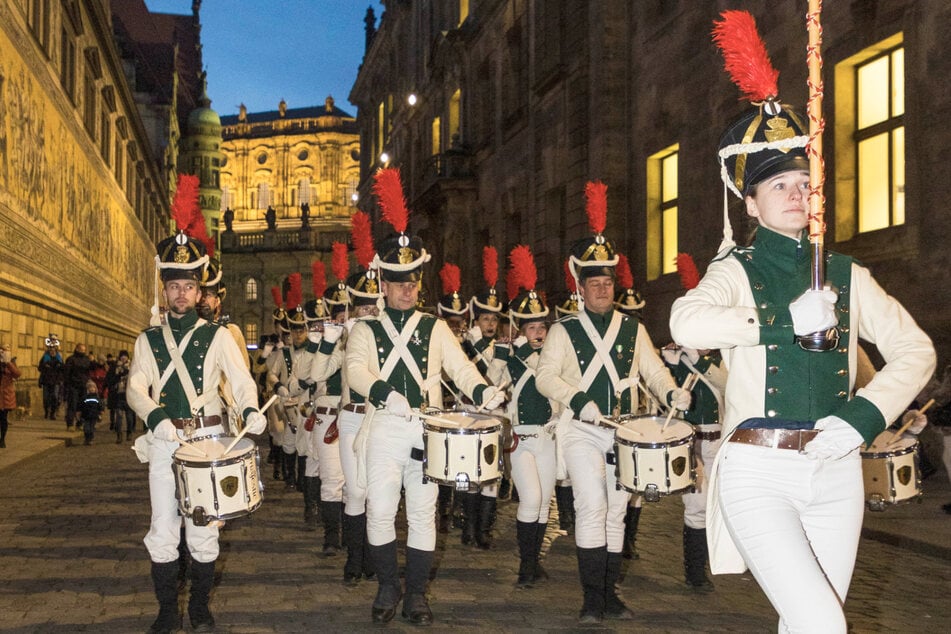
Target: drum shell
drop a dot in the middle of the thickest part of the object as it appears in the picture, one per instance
(461, 456)
(651, 464)
(891, 476)
(218, 488)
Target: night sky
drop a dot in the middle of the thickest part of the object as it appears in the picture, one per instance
(258, 52)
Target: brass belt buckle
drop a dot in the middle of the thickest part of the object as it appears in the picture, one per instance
(190, 425)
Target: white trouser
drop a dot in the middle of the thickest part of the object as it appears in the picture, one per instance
(695, 504)
(389, 467)
(796, 522)
(355, 496)
(165, 530)
(599, 505)
(289, 439)
(328, 455)
(946, 456)
(533, 472)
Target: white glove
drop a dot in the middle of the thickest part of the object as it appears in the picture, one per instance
(679, 398)
(280, 344)
(166, 431)
(283, 392)
(474, 335)
(397, 405)
(332, 332)
(267, 349)
(492, 397)
(255, 423)
(350, 324)
(813, 311)
(920, 421)
(590, 413)
(836, 439)
(671, 355)
(314, 336)
(692, 355)
(519, 342)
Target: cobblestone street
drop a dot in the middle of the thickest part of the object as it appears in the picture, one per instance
(72, 559)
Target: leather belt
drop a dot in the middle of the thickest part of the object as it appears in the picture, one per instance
(357, 408)
(325, 411)
(708, 435)
(777, 438)
(197, 421)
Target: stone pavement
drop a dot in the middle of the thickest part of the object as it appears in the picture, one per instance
(72, 559)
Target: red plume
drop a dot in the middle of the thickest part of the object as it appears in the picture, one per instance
(185, 202)
(276, 294)
(524, 273)
(744, 56)
(490, 265)
(596, 205)
(318, 275)
(689, 276)
(625, 278)
(570, 279)
(295, 294)
(389, 192)
(362, 237)
(511, 286)
(451, 278)
(339, 262)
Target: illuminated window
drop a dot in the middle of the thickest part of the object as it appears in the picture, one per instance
(870, 140)
(436, 140)
(454, 108)
(251, 290)
(463, 10)
(662, 212)
(251, 333)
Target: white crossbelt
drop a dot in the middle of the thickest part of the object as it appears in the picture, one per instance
(401, 348)
(602, 358)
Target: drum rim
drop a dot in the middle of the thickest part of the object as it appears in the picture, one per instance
(889, 454)
(196, 461)
(228, 516)
(461, 431)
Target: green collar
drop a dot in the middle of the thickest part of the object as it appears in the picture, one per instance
(780, 248)
(181, 325)
(600, 321)
(399, 317)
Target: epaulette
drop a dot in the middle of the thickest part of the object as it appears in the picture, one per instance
(566, 318)
(738, 251)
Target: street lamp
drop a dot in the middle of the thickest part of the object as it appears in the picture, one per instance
(411, 100)
(384, 158)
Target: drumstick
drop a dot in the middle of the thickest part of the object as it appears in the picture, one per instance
(245, 430)
(905, 427)
(604, 421)
(188, 445)
(687, 385)
(444, 421)
(501, 388)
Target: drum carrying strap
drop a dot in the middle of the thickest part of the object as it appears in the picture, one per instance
(195, 402)
(522, 380)
(401, 351)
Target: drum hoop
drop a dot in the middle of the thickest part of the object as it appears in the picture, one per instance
(461, 431)
(195, 461)
(889, 454)
(654, 445)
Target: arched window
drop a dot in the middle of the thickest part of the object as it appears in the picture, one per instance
(251, 333)
(303, 186)
(251, 290)
(264, 196)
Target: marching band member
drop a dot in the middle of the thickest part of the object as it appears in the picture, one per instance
(786, 491)
(264, 363)
(396, 361)
(564, 494)
(589, 364)
(533, 459)
(173, 387)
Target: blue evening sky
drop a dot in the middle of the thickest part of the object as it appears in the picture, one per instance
(258, 52)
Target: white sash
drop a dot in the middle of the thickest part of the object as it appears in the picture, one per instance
(401, 351)
(195, 402)
(602, 349)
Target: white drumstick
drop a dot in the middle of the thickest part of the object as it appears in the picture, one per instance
(501, 389)
(897, 435)
(444, 421)
(245, 430)
(188, 445)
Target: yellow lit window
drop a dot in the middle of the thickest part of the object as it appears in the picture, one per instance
(436, 136)
(454, 107)
(662, 212)
(251, 290)
(463, 10)
(251, 333)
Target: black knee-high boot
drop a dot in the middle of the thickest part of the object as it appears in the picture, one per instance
(565, 500)
(165, 581)
(416, 605)
(389, 592)
(540, 528)
(631, 519)
(470, 515)
(203, 578)
(290, 469)
(301, 467)
(487, 508)
(695, 559)
(527, 560)
(332, 514)
(444, 508)
(354, 538)
(592, 568)
(614, 607)
(278, 463)
(311, 502)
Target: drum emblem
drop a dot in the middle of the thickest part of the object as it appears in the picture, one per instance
(489, 451)
(229, 486)
(904, 475)
(678, 465)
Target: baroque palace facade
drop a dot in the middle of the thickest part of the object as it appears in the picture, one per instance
(517, 103)
(90, 98)
(288, 187)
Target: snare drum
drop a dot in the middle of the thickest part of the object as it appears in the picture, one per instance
(890, 471)
(653, 463)
(219, 487)
(462, 449)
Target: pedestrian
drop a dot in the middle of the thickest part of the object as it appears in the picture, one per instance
(117, 380)
(168, 401)
(786, 493)
(76, 373)
(9, 373)
(396, 361)
(51, 370)
(590, 364)
(89, 411)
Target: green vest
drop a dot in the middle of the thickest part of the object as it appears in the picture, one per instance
(172, 398)
(800, 385)
(704, 408)
(607, 396)
(400, 379)
(532, 407)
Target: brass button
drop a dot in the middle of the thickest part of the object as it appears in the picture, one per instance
(758, 286)
(841, 394)
(772, 390)
(751, 321)
(764, 305)
(771, 413)
(773, 369)
(842, 372)
(772, 347)
(844, 349)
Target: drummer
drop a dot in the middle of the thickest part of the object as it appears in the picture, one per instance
(264, 363)
(590, 365)
(533, 459)
(786, 492)
(188, 407)
(396, 361)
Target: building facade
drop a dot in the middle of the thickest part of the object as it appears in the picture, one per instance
(83, 186)
(517, 103)
(288, 188)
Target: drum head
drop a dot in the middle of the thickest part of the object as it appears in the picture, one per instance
(647, 430)
(214, 447)
(470, 421)
(884, 445)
